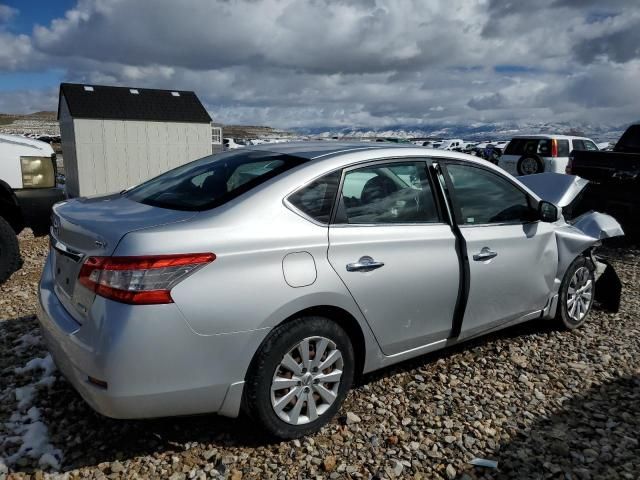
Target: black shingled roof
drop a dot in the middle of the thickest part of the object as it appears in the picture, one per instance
(118, 103)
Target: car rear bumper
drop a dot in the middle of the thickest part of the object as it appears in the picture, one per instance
(153, 364)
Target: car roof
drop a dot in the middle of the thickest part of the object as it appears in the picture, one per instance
(313, 150)
(325, 156)
(551, 136)
(335, 154)
(31, 143)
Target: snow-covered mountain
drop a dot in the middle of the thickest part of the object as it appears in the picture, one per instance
(474, 131)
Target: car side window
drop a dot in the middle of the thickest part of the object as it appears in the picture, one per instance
(544, 147)
(316, 199)
(563, 148)
(589, 145)
(387, 194)
(484, 197)
(584, 145)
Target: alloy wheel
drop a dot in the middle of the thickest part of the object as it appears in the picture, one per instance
(579, 294)
(307, 380)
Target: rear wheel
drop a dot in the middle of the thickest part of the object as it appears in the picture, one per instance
(9, 251)
(530, 165)
(299, 377)
(577, 293)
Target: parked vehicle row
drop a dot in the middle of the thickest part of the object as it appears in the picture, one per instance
(271, 277)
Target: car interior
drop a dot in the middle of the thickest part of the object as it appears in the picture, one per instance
(387, 198)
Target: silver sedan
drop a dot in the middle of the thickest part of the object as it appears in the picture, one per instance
(266, 279)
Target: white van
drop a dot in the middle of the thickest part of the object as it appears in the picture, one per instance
(232, 143)
(27, 192)
(453, 144)
(528, 154)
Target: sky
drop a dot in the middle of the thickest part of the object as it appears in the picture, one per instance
(336, 63)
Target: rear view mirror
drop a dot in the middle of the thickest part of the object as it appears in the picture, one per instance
(548, 211)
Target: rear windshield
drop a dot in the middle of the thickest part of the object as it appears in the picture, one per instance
(212, 181)
(630, 140)
(535, 146)
(522, 146)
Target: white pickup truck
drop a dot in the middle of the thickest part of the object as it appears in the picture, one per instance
(27, 193)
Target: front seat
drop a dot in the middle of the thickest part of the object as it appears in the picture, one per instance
(377, 188)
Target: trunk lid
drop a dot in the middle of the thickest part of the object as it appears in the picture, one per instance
(94, 226)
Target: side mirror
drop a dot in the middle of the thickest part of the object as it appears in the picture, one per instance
(547, 211)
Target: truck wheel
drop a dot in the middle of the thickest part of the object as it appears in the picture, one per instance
(528, 165)
(9, 251)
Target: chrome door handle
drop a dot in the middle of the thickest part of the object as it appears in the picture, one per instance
(485, 254)
(365, 264)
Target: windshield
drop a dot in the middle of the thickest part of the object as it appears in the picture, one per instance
(212, 181)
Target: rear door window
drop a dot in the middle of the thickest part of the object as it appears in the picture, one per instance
(584, 145)
(563, 148)
(212, 181)
(316, 199)
(387, 194)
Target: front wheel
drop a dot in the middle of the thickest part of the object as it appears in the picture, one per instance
(9, 251)
(299, 377)
(577, 293)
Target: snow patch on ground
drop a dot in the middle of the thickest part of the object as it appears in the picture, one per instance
(25, 428)
(29, 339)
(45, 364)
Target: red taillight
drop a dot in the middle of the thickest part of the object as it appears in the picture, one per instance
(554, 147)
(142, 280)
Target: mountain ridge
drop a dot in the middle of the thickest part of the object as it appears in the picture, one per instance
(472, 131)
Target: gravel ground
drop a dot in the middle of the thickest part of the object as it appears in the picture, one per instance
(543, 403)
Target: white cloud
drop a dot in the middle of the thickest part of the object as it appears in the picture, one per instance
(15, 51)
(354, 62)
(7, 13)
(28, 101)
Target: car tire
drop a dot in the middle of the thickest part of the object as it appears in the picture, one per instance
(9, 251)
(306, 411)
(577, 293)
(529, 165)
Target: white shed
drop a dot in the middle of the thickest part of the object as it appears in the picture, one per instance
(117, 137)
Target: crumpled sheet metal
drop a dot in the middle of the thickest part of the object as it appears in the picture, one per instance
(585, 231)
(598, 225)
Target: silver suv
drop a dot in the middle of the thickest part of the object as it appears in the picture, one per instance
(268, 278)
